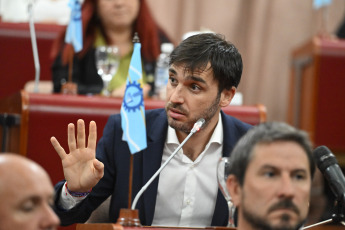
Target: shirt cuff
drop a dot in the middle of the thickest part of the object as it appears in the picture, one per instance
(67, 201)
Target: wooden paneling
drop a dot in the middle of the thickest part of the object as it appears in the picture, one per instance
(16, 56)
(317, 95)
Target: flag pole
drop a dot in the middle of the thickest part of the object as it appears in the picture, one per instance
(74, 38)
(70, 66)
(130, 182)
(135, 40)
(69, 87)
(130, 217)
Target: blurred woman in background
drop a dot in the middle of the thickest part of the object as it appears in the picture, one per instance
(109, 22)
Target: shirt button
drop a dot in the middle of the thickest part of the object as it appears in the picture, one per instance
(188, 202)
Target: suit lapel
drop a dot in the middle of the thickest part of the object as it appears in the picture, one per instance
(228, 142)
(221, 211)
(152, 159)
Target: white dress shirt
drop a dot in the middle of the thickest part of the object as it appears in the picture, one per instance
(187, 190)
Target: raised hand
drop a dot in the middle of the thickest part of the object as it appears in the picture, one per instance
(81, 168)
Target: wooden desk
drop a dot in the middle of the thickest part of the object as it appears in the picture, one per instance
(116, 227)
(119, 227)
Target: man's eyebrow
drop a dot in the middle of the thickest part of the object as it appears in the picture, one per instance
(268, 166)
(172, 70)
(189, 77)
(195, 78)
(265, 167)
(300, 170)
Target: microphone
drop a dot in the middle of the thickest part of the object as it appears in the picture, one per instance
(197, 126)
(328, 165)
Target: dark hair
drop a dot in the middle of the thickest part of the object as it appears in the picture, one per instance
(197, 51)
(266, 133)
(147, 29)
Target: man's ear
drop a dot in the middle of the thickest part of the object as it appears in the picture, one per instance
(234, 188)
(226, 96)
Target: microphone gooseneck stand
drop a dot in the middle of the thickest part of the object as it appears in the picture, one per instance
(130, 217)
(337, 218)
(196, 128)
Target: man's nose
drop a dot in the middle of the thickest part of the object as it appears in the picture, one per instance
(286, 188)
(177, 95)
(50, 219)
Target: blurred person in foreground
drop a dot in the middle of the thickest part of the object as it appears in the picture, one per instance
(270, 177)
(26, 195)
(204, 73)
(109, 22)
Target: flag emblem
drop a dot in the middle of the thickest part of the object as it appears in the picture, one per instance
(133, 96)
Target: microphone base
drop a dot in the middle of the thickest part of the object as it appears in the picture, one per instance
(129, 217)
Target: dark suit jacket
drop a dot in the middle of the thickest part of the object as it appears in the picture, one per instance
(115, 155)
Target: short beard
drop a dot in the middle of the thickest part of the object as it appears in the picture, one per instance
(260, 223)
(207, 115)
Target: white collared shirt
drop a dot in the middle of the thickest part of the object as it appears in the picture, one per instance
(187, 190)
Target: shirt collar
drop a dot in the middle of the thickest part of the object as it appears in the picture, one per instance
(217, 136)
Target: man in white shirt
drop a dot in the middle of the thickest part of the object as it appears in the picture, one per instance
(204, 73)
(270, 177)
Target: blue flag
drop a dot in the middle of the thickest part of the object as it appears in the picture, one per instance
(74, 29)
(320, 3)
(133, 109)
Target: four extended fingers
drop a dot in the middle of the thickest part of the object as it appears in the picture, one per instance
(79, 143)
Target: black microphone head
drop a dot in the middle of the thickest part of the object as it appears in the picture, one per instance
(324, 157)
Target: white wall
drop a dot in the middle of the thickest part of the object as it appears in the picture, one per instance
(44, 11)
